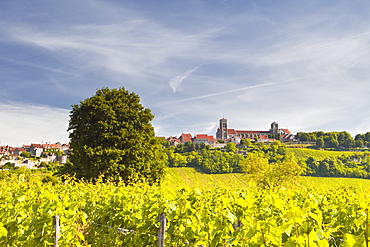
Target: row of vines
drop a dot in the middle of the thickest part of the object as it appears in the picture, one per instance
(95, 214)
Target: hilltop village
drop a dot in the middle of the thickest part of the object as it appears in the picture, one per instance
(33, 155)
(225, 135)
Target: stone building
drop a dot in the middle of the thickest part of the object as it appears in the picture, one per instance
(224, 133)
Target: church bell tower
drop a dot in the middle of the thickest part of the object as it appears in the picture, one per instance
(274, 128)
(222, 130)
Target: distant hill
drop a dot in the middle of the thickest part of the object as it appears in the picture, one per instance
(304, 153)
(190, 177)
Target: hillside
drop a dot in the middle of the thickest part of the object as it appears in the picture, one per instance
(187, 176)
(304, 153)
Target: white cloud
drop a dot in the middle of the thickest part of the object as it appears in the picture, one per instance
(304, 69)
(219, 93)
(177, 80)
(119, 48)
(26, 124)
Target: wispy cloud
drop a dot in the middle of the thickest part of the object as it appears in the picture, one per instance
(230, 91)
(227, 92)
(177, 80)
(26, 124)
(305, 65)
(119, 48)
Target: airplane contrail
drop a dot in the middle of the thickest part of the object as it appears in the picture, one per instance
(229, 91)
(176, 81)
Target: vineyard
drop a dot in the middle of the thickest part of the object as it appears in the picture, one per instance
(105, 214)
(186, 176)
(304, 153)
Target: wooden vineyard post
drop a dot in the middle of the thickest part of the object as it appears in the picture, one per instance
(162, 230)
(56, 226)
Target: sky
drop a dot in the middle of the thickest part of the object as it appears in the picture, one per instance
(303, 64)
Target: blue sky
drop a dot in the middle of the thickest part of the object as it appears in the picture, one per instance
(303, 64)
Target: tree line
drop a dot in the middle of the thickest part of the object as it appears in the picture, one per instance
(275, 155)
(342, 139)
(354, 166)
(228, 160)
(209, 161)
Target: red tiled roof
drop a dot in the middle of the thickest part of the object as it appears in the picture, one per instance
(265, 138)
(6, 150)
(47, 146)
(252, 132)
(211, 139)
(186, 137)
(286, 131)
(173, 139)
(231, 131)
(36, 145)
(201, 136)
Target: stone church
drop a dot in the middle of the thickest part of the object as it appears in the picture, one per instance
(224, 133)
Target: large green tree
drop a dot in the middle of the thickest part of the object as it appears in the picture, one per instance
(112, 137)
(271, 174)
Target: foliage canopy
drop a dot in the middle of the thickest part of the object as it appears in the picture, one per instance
(112, 137)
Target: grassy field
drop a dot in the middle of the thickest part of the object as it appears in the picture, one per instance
(304, 153)
(190, 177)
(361, 185)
